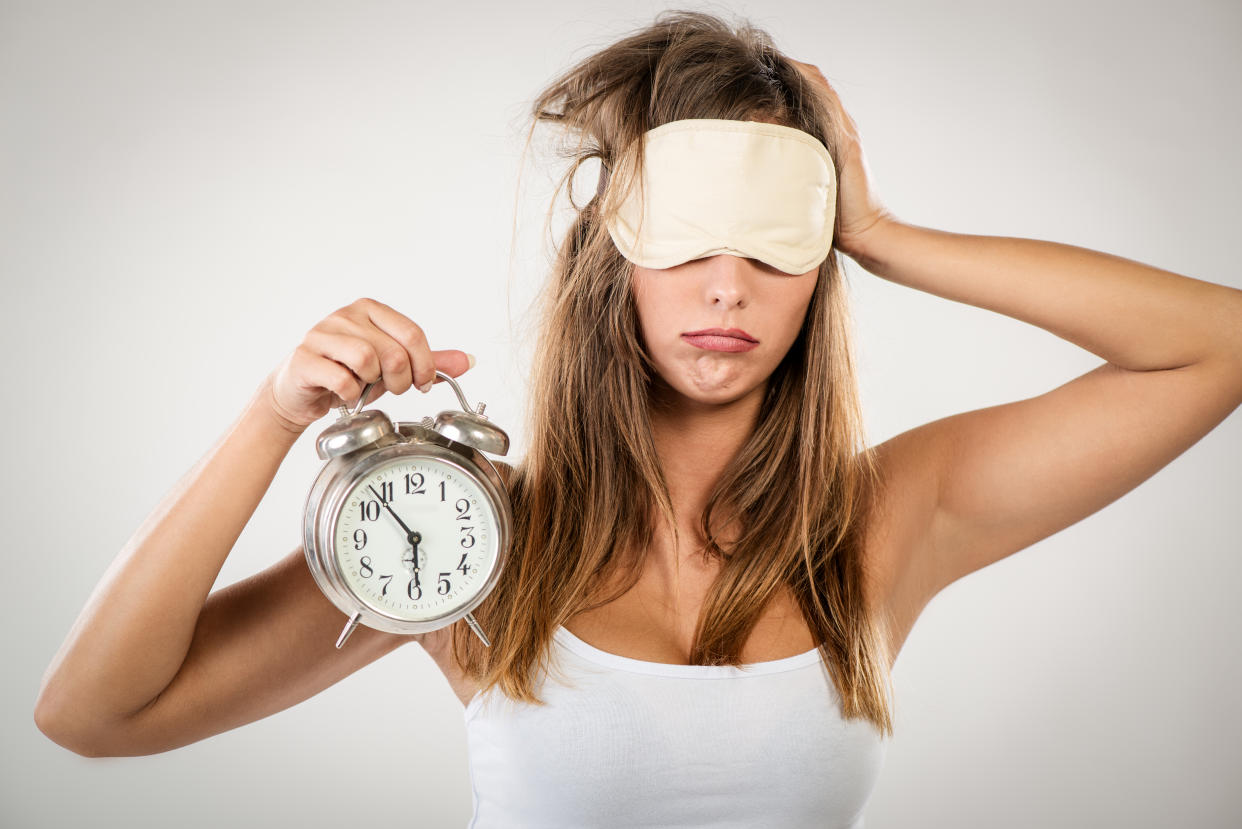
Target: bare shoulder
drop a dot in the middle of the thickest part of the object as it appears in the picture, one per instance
(439, 646)
(967, 490)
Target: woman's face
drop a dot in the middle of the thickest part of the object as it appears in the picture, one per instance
(725, 292)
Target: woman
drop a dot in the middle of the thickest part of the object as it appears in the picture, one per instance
(678, 506)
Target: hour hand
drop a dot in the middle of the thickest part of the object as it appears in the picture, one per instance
(411, 559)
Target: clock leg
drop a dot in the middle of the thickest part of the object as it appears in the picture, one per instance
(349, 628)
(477, 630)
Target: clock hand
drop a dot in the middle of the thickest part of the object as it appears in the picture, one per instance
(408, 531)
(412, 538)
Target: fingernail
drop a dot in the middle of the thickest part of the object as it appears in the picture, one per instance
(470, 359)
(426, 387)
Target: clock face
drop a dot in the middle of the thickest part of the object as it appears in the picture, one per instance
(416, 538)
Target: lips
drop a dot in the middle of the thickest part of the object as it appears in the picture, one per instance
(721, 339)
(722, 332)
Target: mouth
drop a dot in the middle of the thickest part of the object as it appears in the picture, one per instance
(721, 339)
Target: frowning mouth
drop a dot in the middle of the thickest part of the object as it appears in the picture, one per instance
(721, 339)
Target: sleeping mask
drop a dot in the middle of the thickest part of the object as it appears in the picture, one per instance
(709, 186)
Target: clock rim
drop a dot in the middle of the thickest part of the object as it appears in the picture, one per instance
(328, 495)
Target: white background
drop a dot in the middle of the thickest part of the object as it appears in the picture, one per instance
(188, 188)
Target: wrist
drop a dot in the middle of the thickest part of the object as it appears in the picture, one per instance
(867, 245)
(265, 407)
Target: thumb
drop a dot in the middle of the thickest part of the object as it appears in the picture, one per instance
(452, 362)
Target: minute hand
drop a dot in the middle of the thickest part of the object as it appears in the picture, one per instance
(411, 537)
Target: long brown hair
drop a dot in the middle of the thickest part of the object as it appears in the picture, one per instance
(586, 494)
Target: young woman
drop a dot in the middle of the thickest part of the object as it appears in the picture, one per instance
(719, 573)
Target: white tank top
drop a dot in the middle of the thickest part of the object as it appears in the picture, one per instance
(647, 744)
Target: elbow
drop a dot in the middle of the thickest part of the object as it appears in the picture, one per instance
(55, 727)
(58, 724)
(70, 726)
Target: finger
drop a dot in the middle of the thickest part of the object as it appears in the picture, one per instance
(811, 71)
(350, 399)
(353, 350)
(452, 362)
(395, 362)
(408, 336)
(320, 372)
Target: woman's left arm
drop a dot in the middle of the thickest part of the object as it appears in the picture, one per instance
(1134, 316)
(1000, 478)
(980, 485)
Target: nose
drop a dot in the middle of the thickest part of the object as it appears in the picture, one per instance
(726, 280)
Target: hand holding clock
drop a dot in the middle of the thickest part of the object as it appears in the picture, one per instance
(133, 644)
(364, 342)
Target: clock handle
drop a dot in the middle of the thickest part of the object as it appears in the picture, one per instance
(461, 398)
(465, 405)
(344, 408)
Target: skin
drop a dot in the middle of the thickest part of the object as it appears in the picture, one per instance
(704, 406)
(721, 291)
(158, 659)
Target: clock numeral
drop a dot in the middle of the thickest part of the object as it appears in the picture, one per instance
(360, 538)
(414, 586)
(364, 567)
(370, 510)
(467, 536)
(385, 492)
(443, 586)
(414, 484)
(385, 580)
(441, 490)
(463, 509)
(463, 566)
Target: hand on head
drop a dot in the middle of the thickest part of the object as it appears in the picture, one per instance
(860, 205)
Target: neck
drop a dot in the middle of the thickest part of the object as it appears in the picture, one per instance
(695, 442)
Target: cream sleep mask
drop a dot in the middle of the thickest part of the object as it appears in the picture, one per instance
(710, 185)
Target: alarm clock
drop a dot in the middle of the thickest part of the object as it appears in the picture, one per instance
(407, 526)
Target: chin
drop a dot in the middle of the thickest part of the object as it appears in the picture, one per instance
(707, 390)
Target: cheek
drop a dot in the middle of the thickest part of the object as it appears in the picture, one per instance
(790, 308)
(797, 316)
(639, 289)
(656, 303)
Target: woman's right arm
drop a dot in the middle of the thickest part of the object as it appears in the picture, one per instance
(156, 660)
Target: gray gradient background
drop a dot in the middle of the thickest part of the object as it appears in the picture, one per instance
(186, 189)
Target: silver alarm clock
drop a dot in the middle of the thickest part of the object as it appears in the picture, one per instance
(407, 526)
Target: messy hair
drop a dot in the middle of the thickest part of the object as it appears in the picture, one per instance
(588, 492)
